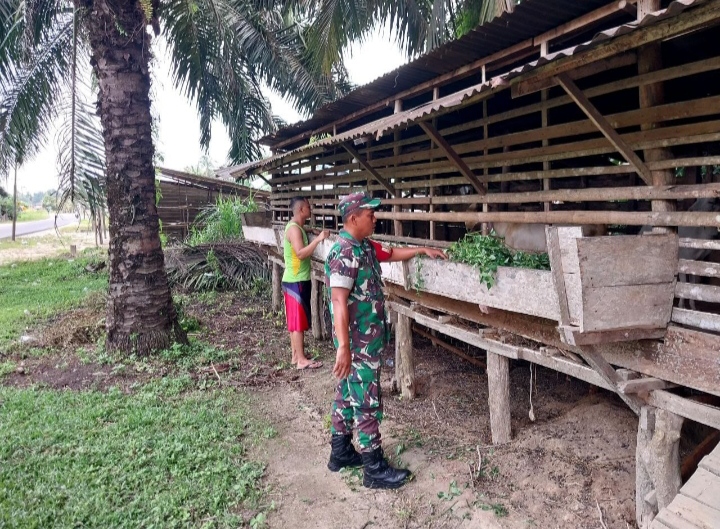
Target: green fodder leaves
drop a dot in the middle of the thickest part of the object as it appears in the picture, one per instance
(114, 460)
(487, 252)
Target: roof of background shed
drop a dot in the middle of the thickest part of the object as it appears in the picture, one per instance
(530, 18)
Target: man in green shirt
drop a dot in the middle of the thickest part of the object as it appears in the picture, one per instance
(296, 282)
(361, 333)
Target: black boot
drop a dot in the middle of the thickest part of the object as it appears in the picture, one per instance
(343, 453)
(379, 474)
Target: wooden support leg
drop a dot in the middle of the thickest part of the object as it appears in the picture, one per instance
(316, 309)
(498, 370)
(404, 361)
(657, 462)
(276, 287)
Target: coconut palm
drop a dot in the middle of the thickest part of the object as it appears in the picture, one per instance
(220, 52)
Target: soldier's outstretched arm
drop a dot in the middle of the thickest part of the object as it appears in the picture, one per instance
(341, 318)
(403, 254)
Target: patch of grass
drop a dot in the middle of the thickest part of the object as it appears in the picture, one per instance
(33, 290)
(194, 355)
(32, 214)
(114, 460)
(6, 368)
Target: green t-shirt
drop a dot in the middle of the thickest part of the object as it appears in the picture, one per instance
(296, 269)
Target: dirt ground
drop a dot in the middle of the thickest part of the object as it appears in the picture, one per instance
(573, 467)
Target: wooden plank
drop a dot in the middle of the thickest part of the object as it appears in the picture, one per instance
(696, 411)
(627, 260)
(366, 165)
(602, 124)
(667, 518)
(698, 292)
(631, 218)
(517, 289)
(643, 385)
(699, 244)
(711, 462)
(444, 146)
(264, 236)
(594, 358)
(617, 307)
(694, 512)
(698, 268)
(620, 335)
(703, 487)
(692, 318)
(556, 267)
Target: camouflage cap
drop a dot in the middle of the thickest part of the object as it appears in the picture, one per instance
(351, 203)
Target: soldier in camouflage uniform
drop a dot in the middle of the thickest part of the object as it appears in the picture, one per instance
(360, 333)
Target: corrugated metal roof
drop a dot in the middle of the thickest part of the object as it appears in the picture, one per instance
(530, 18)
(674, 9)
(384, 125)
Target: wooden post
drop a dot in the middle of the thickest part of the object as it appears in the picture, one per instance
(544, 124)
(316, 309)
(73, 251)
(276, 287)
(498, 370)
(657, 463)
(15, 208)
(485, 228)
(404, 361)
(397, 225)
(649, 60)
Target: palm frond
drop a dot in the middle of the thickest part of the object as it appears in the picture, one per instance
(29, 93)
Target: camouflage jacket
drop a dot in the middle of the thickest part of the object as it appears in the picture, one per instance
(354, 265)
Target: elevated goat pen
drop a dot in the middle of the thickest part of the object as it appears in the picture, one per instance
(600, 114)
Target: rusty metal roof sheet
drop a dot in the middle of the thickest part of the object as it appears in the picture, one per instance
(384, 125)
(530, 18)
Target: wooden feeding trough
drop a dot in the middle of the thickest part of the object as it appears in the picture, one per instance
(600, 289)
(257, 227)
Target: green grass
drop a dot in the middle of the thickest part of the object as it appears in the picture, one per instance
(158, 458)
(32, 214)
(42, 288)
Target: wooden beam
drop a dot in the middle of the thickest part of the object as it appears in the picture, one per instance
(592, 356)
(444, 146)
(631, 218)
(695, 411)
(643, 385)
(365, 165)
(602, 124)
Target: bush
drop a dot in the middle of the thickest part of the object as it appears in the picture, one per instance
(221, 222)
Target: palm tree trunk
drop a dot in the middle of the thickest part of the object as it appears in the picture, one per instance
(140, 313)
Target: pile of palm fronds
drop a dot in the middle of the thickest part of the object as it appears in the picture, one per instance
(219, 266)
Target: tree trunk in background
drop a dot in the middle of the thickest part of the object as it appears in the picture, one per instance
(15, 211)
(141, 317)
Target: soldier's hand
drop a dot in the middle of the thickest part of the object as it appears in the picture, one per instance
(434, 253)
(343, 362)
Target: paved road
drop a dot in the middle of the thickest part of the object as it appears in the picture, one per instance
(26, 228)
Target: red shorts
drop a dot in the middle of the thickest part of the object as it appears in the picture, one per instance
(297, 305)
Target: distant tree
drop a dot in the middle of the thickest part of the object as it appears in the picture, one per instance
(49, 201)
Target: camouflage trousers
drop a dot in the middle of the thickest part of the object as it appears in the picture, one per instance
(358, 404)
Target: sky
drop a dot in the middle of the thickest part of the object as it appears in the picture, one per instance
(179, 125)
